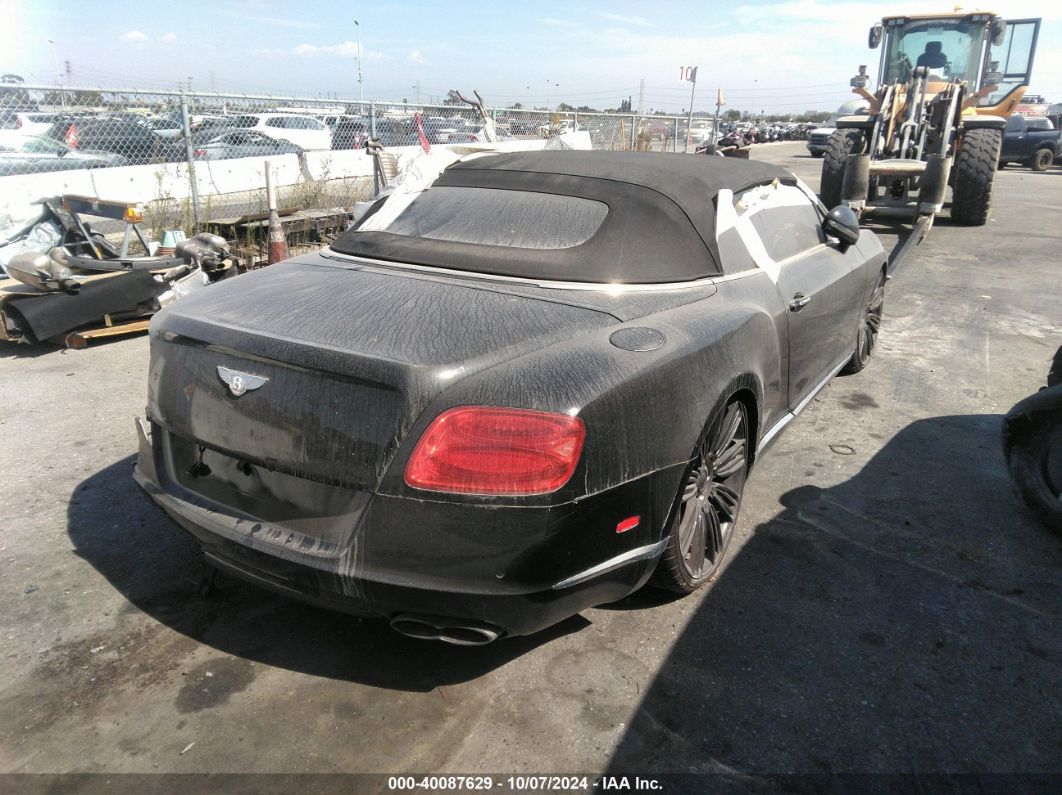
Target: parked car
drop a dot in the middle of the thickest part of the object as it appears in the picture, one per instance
(214, 123)
(133, 141)
(561, 127)
(819, 137)
(32, 123)
(350, 132)
(700, 132)
(164, 128)
(440, 130)
(305, 131)
(33, 154)
(1033, 142)
(537, 385)
(522, 125)
(222, 145)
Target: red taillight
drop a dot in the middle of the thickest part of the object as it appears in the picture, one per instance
(199, 152)
(484, 450)
(71, 136)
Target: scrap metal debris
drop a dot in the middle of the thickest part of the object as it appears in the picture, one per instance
(62, 275)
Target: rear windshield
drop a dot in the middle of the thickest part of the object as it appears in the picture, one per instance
(509, 218)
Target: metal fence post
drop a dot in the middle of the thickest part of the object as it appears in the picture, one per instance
(676, 122)
(186, 128)
(372, 136)
(634, 132)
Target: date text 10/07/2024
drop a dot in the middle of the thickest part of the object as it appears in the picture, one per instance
(524, 783)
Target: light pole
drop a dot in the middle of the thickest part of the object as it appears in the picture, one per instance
(58, 81)
(755, 118)
(357, 31)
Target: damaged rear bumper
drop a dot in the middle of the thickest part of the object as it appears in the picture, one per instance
(449, 572)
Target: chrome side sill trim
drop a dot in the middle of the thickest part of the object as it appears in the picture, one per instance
(647, 552)
(775, 429)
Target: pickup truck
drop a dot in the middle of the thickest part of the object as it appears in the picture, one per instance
(1033, 142)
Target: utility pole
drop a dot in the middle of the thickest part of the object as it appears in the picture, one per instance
(58, 80)
(357, 31)
(689, 120)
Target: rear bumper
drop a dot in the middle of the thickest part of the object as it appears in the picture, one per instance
(518, 570)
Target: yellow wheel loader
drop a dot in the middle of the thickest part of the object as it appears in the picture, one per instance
(946, 85)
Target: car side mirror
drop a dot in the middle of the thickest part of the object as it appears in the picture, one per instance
(842, 223)
(874, 39)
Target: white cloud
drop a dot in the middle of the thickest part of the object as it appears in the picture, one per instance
(346, 49)
(640, 22)
(135, 37)
(416, 57)
(169, 38)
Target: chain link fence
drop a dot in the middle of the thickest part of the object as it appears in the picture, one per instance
(195, 161)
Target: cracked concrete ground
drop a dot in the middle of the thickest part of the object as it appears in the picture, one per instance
(888, 605)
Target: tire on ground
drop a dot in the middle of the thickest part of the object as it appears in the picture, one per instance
(974, 173)
(842, 143)
(1026, 444)
(1042, 160)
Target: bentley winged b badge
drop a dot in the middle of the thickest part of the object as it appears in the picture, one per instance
(238, 382)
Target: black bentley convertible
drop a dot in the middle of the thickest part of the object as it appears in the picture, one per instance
(520, 392)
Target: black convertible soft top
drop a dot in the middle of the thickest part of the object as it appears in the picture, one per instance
(660, 225)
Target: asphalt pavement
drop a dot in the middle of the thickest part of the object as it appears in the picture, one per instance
(889, 606)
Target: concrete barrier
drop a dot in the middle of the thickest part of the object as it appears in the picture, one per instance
(148, 183)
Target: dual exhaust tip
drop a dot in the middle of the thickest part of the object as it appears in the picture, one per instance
(457, 631)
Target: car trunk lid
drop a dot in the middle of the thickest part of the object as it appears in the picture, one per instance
(350, 357)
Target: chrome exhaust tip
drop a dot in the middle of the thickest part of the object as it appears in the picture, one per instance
(456, 631)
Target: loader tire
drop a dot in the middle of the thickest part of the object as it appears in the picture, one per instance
(975, 171)
(842, 143)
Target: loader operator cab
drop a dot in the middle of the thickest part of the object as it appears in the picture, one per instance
(949, 49)
(933, 57)
(990, 55)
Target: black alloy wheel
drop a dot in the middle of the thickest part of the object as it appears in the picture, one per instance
(708, 506)
(867, 333)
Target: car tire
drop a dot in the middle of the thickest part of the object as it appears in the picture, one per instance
(973, 177)
(1032, 445)
(867, 331)
(842, 143)
(707, 505)
(1042, 160)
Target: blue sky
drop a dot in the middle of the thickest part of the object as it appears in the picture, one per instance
(776, 56)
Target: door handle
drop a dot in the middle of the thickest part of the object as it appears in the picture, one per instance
(799, 302)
